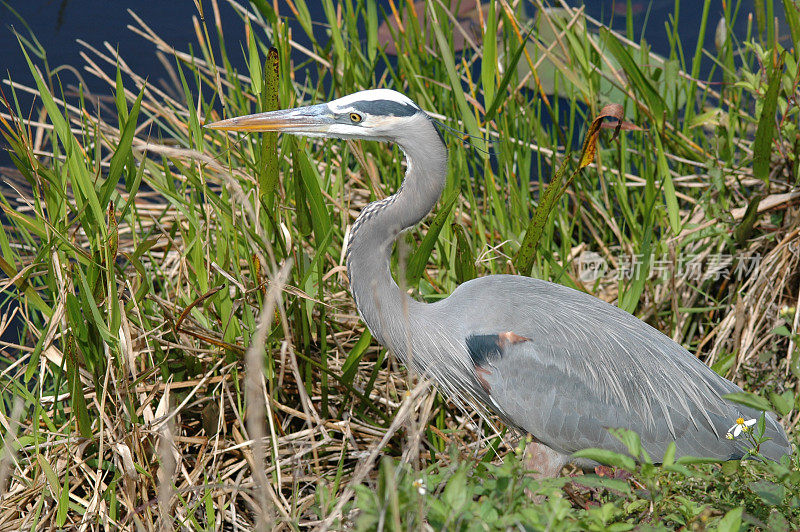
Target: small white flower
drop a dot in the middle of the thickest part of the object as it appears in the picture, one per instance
(420, 485)
(740, 426)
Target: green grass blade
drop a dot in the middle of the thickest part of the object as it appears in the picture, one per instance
(122, 151)
(638, 81)
(467, 115)
(750, 400)
(762, 147)
(335, 31)
(350, 366)
(745, 228)
(419, 259)
(525, 257)
(500, 92)
(792, 14)
(320, 217)
(489, 60)
(670, 198)
(77, 400)
(465, 257)
(268, 171)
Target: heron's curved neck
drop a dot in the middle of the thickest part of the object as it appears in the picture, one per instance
(383, 306)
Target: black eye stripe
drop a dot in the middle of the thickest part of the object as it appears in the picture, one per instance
(376, 108)
(385, 108)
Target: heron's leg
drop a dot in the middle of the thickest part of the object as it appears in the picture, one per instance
(543, 461)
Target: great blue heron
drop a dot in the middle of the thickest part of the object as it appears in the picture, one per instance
(557, 363)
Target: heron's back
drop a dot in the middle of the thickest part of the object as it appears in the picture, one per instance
(586, 365)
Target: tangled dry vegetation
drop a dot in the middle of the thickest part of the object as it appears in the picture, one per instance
(189, 355)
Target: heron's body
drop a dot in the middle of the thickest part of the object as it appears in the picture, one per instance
(555, 362)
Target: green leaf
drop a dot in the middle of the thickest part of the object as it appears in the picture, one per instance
(34, 225)
(762, 146)
(769, 492)
(208, 502)
(33, 362)
(782, 330)
(776, 522)
(500, 92)
(94, 314)
(77, 399)
(732, 521)
(669, 454)
(745, 228)
(320, 218)
(750, 400)
(526, 254)
(784, 402)
(636, 78)
(122, 152)
(489, 60)
(132, 187)
(607, 457)
(455, 493)
(446, 55)
(265, 8)
(371, 19)
(681, 470)
(631, 440)
(595, 481)
(340, 52)
(302, 213)
(634, 290)
(78, 172)
(794, 362)
(254, 62)
(670, 198)
(465, 258)
(418, 261)
(790, 9)
(689, 460)
(724, 364)
(268, 170)
(350, 365)
(50, 475)
(63, 502)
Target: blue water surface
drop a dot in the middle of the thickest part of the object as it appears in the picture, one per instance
(59, 24)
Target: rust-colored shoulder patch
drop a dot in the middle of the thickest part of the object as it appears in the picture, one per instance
(510, 338)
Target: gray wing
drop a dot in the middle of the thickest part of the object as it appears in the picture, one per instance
(566, 366)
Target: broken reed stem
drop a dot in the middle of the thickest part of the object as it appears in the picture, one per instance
(366, 466)
(166, 472)
(255, 393)
(7, 453)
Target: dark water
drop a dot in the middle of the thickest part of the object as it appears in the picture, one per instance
(58, 24)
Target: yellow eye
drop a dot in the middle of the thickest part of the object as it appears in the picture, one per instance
(355, 118)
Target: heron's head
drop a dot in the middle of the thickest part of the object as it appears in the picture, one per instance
(378, 114)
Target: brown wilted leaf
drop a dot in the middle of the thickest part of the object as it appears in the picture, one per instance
(613, 111)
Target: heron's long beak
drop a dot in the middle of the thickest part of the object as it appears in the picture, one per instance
(314, 119)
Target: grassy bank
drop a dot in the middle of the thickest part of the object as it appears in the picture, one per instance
(188, 351)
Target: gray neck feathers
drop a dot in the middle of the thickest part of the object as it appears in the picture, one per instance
(385, 308)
